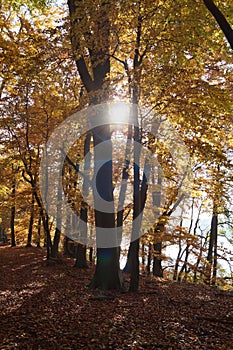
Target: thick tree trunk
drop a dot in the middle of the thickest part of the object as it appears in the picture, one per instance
(81, 259)
(134, 263)
(107, 274)
(55, 245)
(65, 246)
(157, 260)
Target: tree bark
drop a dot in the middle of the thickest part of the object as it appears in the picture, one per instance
(212, 243)
(39, 230)
(148, 266)
(31, 221)
(107, 274)
(57, 235)
(81, 260)
(140, 202)
(157, 246)
(157, 260)
(13, 211)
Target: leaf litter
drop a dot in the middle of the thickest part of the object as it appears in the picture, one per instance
(51, 308)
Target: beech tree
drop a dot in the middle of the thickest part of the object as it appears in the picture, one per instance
(94, 36)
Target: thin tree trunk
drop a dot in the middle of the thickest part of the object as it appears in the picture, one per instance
(215, 262)
(91, 254)
(39, 230)
(125, 176)
(57, 235)
(13, 211)
(81, 260)
(31, 221)
(139, 206)
(157, 258)
(178, 256)
(187, 252)
(148, 266)
(212, 242)
(143, 255)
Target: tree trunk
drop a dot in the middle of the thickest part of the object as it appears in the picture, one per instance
(184, 266)
(134, 263)
(96, 83)
(107, 274)
(13, 211)
(81, 260)
(39, 231)
(57, 235)
(212, 243)
(157, 260)
(177, 263)
(140, 201)
(125, 176)
(143, 255)
(148, 267)
(215, 262)
(91, 254)
(30, 229)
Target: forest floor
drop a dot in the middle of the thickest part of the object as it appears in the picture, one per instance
(51, 307)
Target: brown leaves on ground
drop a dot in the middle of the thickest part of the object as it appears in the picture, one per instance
(51, 307)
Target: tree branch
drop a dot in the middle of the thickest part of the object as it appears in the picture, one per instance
(221, 20)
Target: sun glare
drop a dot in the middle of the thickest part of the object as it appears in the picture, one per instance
(120, 113)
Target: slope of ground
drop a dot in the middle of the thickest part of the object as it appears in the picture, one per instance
(50, 307)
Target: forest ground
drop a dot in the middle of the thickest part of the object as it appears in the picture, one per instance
(50, 307)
